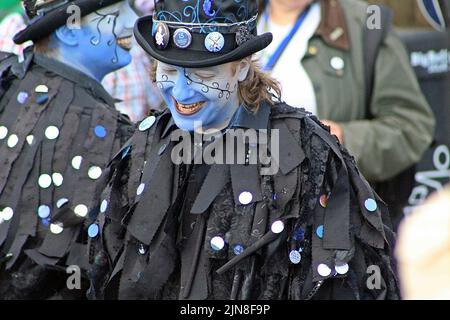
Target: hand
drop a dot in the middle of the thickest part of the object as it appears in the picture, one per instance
(335, 129)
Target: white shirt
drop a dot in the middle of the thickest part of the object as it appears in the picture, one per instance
(296, 85)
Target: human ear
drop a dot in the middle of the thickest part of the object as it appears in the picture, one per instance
(67, 36)
(243, 69)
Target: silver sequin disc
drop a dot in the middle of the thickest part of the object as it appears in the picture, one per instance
(7, 214)
(81, 210)
(245, 198)
(94, 172)
(295, 257)
(217, 243)
(323, 270)
(61, 202)
(147, 123)
(56, 228)
(57, 179)
(44, 181)
(12, 141)
(44, 211)
(140, 189)
(343, 269)
(76, 162)
(277, 226)
(3, 132)
(51, 132)
(103, 206)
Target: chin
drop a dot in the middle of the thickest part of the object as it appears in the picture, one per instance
(124, 60)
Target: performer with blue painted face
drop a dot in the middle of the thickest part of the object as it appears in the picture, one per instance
(199, 230)
(58, 129)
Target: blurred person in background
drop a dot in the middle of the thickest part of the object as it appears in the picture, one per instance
(319, 56)
(423, 250)
(11, 22)
(131, 85)
(9, 6)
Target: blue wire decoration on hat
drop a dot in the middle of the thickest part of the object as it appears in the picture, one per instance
(192, 10)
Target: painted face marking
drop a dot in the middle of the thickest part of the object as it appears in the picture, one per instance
(213, 86)
(205, 96)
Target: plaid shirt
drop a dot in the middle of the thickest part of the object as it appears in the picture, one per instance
(132, 84)
(134, 87)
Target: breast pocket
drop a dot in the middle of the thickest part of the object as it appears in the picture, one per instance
(334, 85)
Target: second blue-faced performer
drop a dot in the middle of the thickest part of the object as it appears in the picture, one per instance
(58, 130)
(308, 228)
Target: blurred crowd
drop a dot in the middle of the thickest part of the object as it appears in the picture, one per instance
(359, 83)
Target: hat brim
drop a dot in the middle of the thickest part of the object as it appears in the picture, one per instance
(44, 26)
(190, 58)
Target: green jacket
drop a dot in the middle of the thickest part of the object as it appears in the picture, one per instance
(403, 124)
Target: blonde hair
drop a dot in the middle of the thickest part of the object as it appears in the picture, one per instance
(258, 87)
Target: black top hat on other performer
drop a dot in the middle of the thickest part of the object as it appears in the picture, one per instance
(48, 15)
(201, 33)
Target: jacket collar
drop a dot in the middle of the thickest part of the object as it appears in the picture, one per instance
(243, 118)
(333, 26)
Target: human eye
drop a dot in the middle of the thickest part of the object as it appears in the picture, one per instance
(169, 70)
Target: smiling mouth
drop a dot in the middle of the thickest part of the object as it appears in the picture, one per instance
(188, 109)
(125, 43)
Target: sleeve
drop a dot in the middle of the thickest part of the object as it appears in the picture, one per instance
(403, 124)
(107, 246)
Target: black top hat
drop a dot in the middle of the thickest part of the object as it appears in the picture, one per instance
(201, 33)
(48, 15)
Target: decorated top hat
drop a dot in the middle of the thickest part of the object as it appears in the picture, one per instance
(201, 33)
(48, 15)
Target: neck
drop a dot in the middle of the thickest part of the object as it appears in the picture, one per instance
(74, 63)
(285, 13)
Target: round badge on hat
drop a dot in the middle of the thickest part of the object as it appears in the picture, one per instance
(162, 35)
(214, 42)
(182, 38)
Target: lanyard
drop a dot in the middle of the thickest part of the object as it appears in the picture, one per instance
(277, 54)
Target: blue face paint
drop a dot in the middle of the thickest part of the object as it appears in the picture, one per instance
(204, 98)
(102, 43)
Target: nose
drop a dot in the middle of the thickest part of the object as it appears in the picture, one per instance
(182, 91)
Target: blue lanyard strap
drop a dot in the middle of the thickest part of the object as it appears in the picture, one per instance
(277, 54)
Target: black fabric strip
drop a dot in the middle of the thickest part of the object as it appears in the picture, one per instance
(138, 147)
